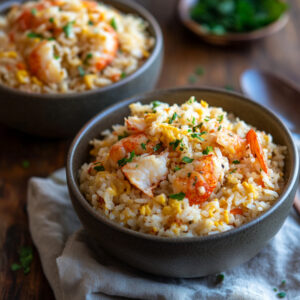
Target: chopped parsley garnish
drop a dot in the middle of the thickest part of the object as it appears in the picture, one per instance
(143, 146)
(283, 282)
(51, 20)
(125, 134)
(199, 71)
(275, 289)
(191, 100)
(90, 22)
(220, 278)
(114, 24)
(155, 104)
(177, 168)
(51, 39)
(122, 162)
(236, 162)
(25, 259)
(25, 164)
(189, 174)
(187, 160)
(175, 144)
(34, 11)
(179, 196)
(81, 71)
(207, 119)
(68, 28)
(233, 171)
(281, 295)
(220, 118)
(99, 168)
(172, 119)
(198, 126)
(87, 58)
(207, 150)
(193, 121)
(220, 127)
(56, 56)
(33, 35)
(192, 79)
(157, 147)
(198, 135)
(123, 75)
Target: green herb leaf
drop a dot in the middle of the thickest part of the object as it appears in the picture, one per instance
(68, 28)
(177, 168)
(33, 35)
(51, 20)
(187, 160)
(207, 118)
(113, 24)
(275, 289)
(207, 150)
(34, 11)
(220, 278)
(172, 119)
(157, 147)
(283, 282)
(123, 75)
(122, 162)
(125, 134)
(15, 267)
(155, 103)
(143, 146)
(81, 71)
(25, 164)
(179, 196)
(233, 171)
(220, 118)
(281, 295)
(236, 162)
(220, 127)
(199, 71)
(189, 174)
(56, 56)
(87, 58)
(90, 22)
(51, 39)
(99, 168)
(191, 100)
(175, 144)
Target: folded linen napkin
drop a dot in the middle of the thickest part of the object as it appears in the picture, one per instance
(74, 272)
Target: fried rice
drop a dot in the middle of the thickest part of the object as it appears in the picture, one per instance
(63, 46)
(189, 170)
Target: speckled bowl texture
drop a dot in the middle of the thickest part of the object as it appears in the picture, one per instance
(62, 115)
(184, 256)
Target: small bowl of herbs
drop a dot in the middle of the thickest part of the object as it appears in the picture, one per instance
(226, 22)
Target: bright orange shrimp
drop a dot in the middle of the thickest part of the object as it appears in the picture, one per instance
(256, 149)
(135, 124)
(236, 211)
(139, 143)
(201, 182)
(43, 65)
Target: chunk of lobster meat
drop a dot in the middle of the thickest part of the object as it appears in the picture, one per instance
(147, 171)
(203, 180)
(256, 149)
(135, 124)
(139, 143)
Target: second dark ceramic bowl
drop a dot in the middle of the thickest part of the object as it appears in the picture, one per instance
(62, 115)
(184, 256)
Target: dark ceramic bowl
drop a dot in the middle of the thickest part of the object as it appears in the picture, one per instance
(184, 256)
(62, 115)
(185, 6)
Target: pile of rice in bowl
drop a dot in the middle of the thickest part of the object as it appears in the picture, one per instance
(62, 46)
(188, 170)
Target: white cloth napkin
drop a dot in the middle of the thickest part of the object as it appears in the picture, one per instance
(74, 272)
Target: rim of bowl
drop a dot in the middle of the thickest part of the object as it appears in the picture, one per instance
(72, 182)
(140, 11)
(262, 32)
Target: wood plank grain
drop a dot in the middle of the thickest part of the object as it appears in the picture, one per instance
(183, 53)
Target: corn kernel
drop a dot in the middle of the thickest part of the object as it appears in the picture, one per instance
(226, 217)
(36, 81)
(161, 199)
(89, 80)
(176, 206)
(204, 103)
(22, 76)
(8, 54)
(143, 210)
(167, 210)
(147, 210)
(146, 53)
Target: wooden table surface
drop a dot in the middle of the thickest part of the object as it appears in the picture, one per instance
(183, 54)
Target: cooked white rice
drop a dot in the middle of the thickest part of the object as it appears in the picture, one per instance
(187, 170)
(63, 46)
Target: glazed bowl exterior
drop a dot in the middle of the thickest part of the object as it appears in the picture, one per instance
(184, 256)
(62, 115)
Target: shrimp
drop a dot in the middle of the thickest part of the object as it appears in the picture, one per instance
(256, 149)
(233, 146)
(135, 124)
(146, 171)
(139, 143)
(202, 181)
(43, 65)
(105, 46)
